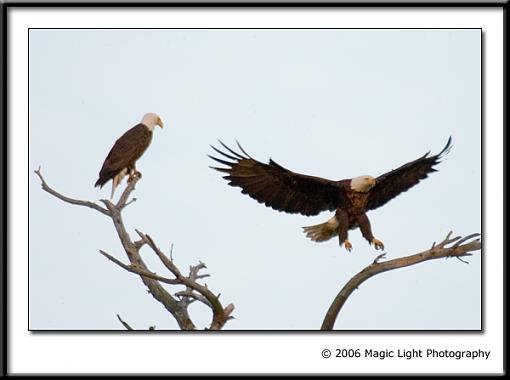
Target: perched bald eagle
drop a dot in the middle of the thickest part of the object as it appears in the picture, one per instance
(126, 151)
(284, 190)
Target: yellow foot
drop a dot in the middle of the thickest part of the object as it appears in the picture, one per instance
(377, 244)
(348, 245)
(135, 174)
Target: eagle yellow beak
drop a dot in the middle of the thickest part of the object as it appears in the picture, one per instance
(160, 123)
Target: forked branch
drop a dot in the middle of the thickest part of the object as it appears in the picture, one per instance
(462, 248)
(177, 305)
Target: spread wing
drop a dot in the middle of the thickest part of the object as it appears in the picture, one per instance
(397, 181)
(279, 188)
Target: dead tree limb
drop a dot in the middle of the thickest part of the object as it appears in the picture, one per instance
(178, 304)
(125, 324)
(128, 327)
(438, 251)
(78, 202)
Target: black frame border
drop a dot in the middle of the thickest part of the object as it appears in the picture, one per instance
(6, 6)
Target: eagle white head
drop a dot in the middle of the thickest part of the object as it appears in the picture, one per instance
(363, 183)
(151, 120)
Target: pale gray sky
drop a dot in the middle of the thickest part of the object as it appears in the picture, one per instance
(332, 103)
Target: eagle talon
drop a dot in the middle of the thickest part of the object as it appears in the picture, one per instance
(377, 244)
(348, 245)
(133, 175)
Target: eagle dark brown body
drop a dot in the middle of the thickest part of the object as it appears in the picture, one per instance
(287, 191)
(124, 153)
(121, 160)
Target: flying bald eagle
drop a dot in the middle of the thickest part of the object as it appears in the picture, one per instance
(126, 151)
(284, 190)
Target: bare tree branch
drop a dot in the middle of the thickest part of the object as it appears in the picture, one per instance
(438, 251)
(128, 327)
(178, 307)
(122, 203)
(189, 295)
(140, 271)
(48, 189)
(124, 323)
(220, 314)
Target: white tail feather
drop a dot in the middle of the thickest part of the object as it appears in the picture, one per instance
(117, 179)
(322, 232)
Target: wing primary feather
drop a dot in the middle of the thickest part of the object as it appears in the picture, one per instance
(240, 147)
(446, 149)
(221, 161)
(224, 154)
(231, 151)
(223, 170)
